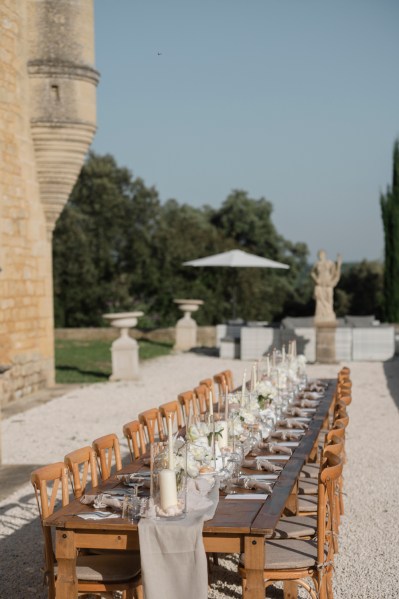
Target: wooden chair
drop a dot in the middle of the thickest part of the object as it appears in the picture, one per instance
(222, 386)
(211, 387)
(202, 396)
(189, 405)
(134, 434)
(171, 409)
(228, 375)
(95, 573)
(151, 421)
(297, 560)
(108, 452)
(80, 464)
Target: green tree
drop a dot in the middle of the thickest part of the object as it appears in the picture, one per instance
(390, 218)
(360, 289)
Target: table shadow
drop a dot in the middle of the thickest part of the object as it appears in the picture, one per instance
(391, 371)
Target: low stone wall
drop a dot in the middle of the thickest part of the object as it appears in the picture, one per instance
(206, 336)
(28, 374)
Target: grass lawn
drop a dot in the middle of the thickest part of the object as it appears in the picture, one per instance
(90, 361)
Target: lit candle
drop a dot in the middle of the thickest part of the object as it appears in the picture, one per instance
(170, 444)
(167, 488)
(210, 402)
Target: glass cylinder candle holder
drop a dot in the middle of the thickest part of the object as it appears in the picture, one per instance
(169, 483)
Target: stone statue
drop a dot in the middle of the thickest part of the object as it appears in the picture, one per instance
(325, 274)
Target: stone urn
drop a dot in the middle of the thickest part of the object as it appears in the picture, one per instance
(186, 327)
(125, 349)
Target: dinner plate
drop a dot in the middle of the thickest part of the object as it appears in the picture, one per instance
(259, 496)
(308, 410)
(288, 443)
(296, 431)
(276, 456)
(262, 476)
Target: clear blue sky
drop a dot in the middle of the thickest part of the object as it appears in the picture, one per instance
(293, 100)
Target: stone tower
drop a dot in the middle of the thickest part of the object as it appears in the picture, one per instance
(47, 122)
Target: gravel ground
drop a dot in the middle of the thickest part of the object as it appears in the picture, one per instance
(366, 567)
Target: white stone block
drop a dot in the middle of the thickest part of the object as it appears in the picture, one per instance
(374, 343)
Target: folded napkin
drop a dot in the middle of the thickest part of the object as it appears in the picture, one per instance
(311, 395)
(296, 412)
(197, 491)
(306, 403)
(250, 483)
(317, 386)
(98, 516)
(276, 448)
(286, 436)
(292, 423)
(260, 463)
(106, 501)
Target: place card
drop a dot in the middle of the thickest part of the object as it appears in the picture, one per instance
(259, 496)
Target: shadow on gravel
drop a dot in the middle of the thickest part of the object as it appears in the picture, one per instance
(391, 370)
(22, 554)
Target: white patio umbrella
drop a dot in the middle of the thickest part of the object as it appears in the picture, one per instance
(236, 259)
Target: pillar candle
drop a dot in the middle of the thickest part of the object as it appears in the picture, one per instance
(167, 488)
(223, 438)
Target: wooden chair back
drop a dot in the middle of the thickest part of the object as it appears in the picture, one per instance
(152, 425)
(108, 454)
(80, 464)
(202, 394)
(222, 386)
(171, 409)
(48, 483)
(228, 375)
(134, 434)
(209, 383)
(327, 507)
(189, 405)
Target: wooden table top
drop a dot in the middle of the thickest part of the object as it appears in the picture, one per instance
(237, 516)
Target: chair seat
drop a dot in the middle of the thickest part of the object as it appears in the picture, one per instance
(310, 471)
(308, 486)
(295, 527)
(307, 503)
(290, 554)
(107, 568)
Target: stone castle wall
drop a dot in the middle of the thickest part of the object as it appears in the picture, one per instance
(27, 182)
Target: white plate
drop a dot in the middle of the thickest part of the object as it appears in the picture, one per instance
(296, 431)
(263, 476)
(258, 496)
(308, 410)
(276, 456)
(302, 419)
(288, 443)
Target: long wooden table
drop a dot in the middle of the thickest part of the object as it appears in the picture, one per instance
(238, 525)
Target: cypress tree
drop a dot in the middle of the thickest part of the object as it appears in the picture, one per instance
(390, 218)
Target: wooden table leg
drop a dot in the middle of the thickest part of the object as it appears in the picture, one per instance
(66, 584)
(290, 589)
(254, 566)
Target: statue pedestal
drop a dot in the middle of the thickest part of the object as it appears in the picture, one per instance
(325, 342)
(186, 327)
(125, 349)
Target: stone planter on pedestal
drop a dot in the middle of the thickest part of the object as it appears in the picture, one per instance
(125, 350)
(186, 327)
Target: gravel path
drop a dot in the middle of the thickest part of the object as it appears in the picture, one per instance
(366, 567)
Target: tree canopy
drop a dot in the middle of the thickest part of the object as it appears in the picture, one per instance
(390, 218)
(116, 247)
